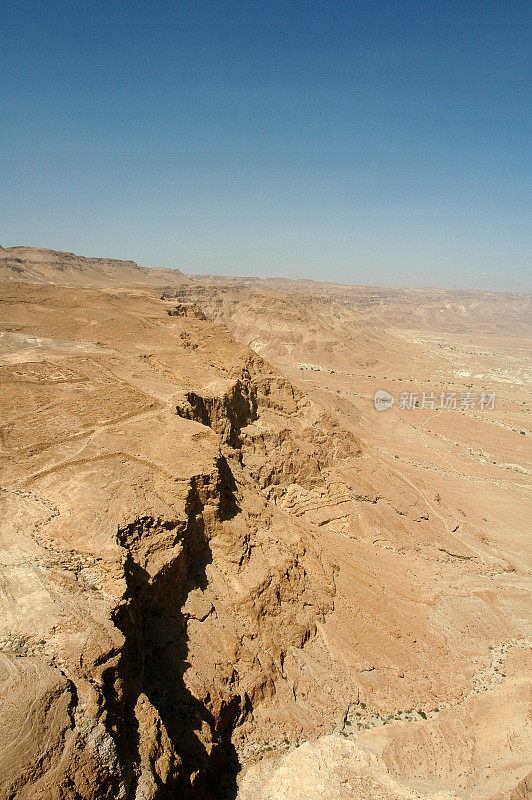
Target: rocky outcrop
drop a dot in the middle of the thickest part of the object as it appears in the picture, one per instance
(153, 714)
(170, 740)
(184, 310)
(171, 737)
(226, 413)
(281, 437)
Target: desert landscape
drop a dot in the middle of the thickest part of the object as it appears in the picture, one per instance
(225, 573)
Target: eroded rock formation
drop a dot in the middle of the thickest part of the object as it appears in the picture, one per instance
(202, 567)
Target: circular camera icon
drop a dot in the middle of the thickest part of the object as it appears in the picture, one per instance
(383, 400)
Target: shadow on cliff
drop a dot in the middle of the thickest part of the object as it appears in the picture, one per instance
(153, 662)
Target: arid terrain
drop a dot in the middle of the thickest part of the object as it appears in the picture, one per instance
(225, 574)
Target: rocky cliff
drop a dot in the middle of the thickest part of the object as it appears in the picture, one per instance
(170, 587)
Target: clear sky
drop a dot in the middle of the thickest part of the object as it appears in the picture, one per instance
(361, 142)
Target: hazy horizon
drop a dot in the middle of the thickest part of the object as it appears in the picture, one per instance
(378, 144)
(279, 277)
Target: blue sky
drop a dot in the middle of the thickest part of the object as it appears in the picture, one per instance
(360, 142)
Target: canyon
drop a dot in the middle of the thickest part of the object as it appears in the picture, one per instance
(224, 573)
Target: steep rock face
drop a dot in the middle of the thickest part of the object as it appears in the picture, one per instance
(171, 740)
(155, 711)
(226, 414)
(281, 437)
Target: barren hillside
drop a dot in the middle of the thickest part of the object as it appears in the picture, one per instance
(214, 564)
(39, 265)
